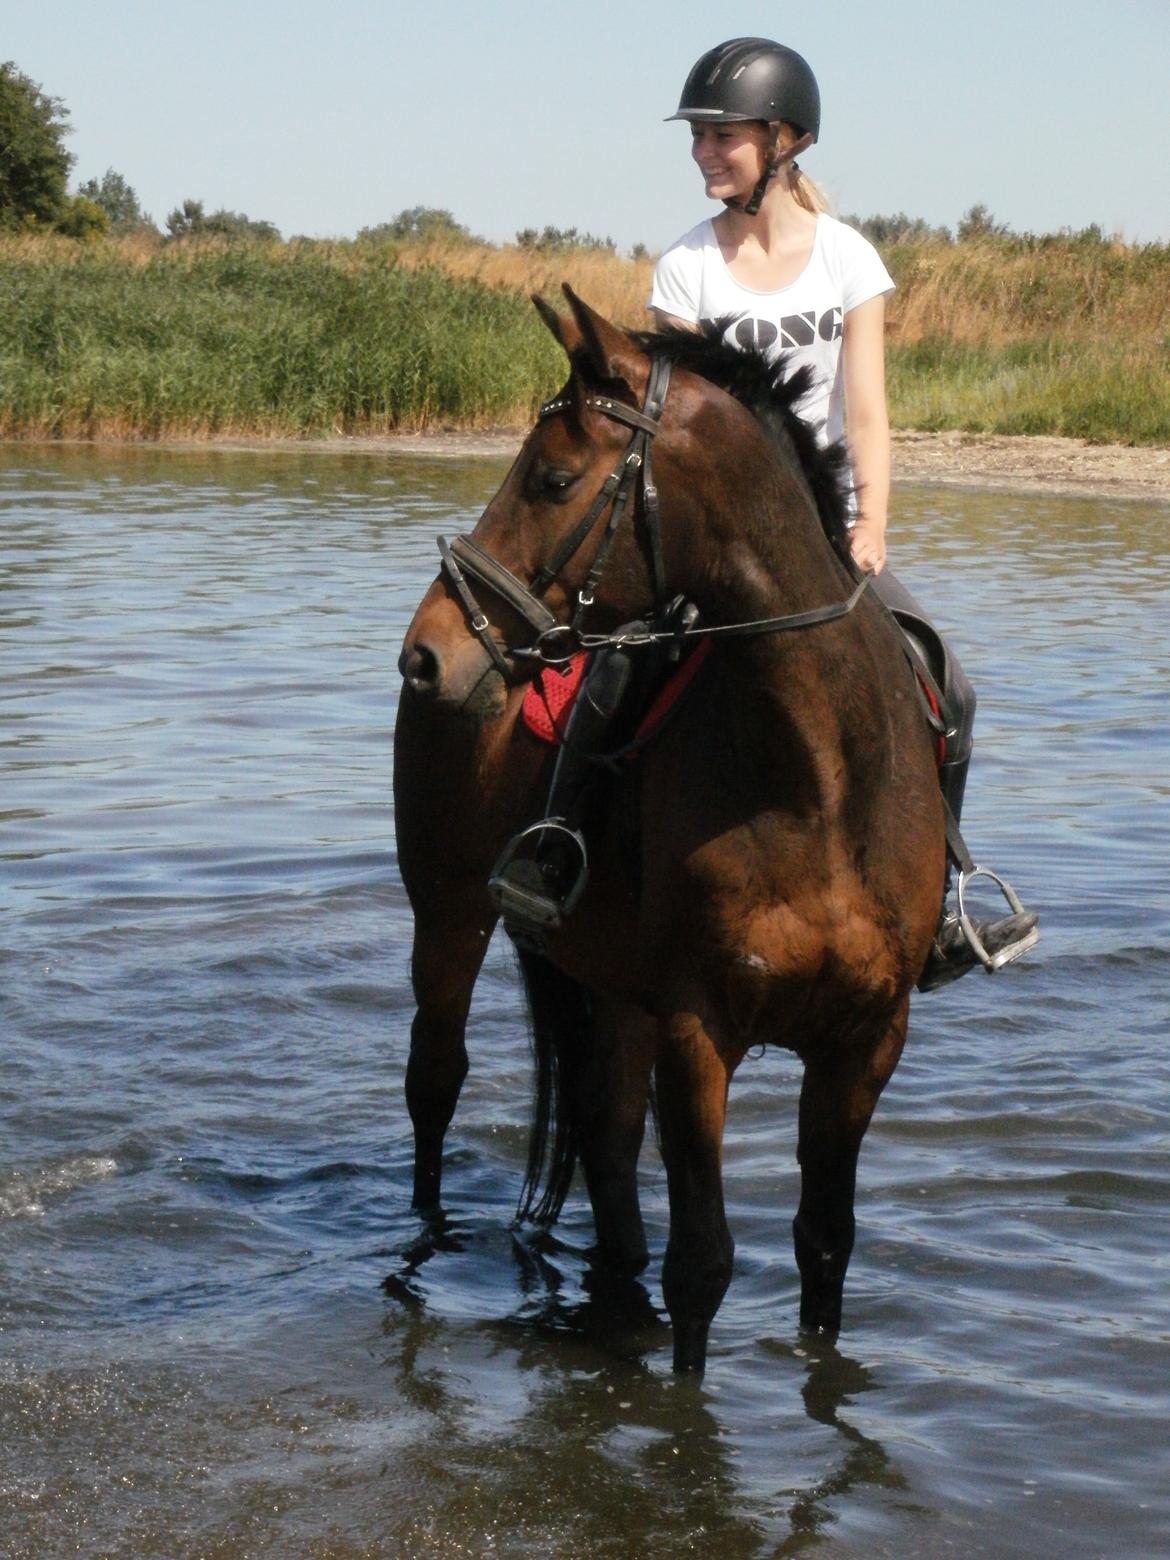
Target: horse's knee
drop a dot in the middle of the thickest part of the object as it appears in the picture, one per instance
(435, 1069)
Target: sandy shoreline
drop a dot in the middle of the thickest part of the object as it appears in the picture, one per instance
(982, 460)
(957, 459)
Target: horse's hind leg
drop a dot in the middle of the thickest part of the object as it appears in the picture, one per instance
(444, 964)
(612, 1094)
(837, 1100)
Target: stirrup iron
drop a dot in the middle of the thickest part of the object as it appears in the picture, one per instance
(990, 962)
(525, 893)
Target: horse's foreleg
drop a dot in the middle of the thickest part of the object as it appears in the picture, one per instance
(613, 1090)
(443, 968)
(837, 1100)
(692, 1079)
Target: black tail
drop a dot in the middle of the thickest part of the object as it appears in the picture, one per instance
(562, 1023)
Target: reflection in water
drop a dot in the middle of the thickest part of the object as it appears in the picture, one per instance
(832, 1382)
(637, 1446)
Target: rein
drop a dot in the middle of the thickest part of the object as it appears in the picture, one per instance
(463, 556)
(642, 635)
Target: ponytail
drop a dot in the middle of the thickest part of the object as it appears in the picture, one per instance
(805, 191)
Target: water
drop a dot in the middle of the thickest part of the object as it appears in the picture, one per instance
(204, 1155)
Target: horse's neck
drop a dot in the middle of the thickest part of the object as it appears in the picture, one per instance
(801, 694)
(768, 557)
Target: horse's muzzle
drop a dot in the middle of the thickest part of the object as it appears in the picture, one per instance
(421, 668)
(461, 681)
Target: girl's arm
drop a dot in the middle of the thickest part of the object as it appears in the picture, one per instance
(665, 321)
(868, 428)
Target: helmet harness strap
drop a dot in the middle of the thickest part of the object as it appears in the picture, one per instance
(773, 162)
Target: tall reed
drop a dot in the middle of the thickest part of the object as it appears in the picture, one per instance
(132, 338)
(244, 339)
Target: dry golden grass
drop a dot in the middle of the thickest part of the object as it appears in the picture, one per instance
(996, 291)
(615, 285)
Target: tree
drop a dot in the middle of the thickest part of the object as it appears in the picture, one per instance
(83, 218)
(34, 165)
(190, 221)
(117, 200)
(979, 223)
(557, 240)
(897, 229)
(420, 224)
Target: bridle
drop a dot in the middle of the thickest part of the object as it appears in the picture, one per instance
(463, 556)
(556, 643)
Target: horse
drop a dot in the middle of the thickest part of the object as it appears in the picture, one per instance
(768, 872)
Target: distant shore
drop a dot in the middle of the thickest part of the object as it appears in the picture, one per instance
(1031, 338)
(1022, 463)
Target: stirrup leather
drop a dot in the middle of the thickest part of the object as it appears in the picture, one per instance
(526, 895)
(990, 962)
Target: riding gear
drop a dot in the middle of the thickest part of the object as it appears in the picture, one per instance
(752, 78)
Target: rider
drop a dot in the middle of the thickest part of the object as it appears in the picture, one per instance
(806, 288)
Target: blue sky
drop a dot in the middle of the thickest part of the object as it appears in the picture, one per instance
(325, 118)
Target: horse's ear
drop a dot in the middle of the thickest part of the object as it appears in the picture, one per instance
(610, 351)
(565, 330)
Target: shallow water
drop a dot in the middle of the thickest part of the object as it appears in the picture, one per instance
(204, 1155)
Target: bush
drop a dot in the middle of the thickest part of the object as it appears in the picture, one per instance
(557, 240)
(426, 224)
(190, 221)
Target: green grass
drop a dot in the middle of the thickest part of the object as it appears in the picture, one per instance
(251, 340)
(1058, 335)
(1105, 392)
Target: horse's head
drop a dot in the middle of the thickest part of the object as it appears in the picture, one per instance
(572, 541)
(547, 549)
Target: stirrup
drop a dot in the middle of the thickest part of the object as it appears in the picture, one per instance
(526, 890)
(991, 962)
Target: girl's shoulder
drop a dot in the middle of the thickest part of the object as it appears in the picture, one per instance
(698, 238)
(851, 257)
(838, 235)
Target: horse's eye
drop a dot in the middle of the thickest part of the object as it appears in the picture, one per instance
(556, 483)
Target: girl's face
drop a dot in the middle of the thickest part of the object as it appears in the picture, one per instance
(730, 157)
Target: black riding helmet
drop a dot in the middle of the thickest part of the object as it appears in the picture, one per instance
(752, 78)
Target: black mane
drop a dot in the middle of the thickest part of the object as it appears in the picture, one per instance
(772, 396)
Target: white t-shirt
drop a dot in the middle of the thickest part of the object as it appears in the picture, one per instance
(802, 322)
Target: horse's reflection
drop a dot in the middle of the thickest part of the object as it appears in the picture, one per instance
(831, 1382)
(658, 1450)
(439, 1233)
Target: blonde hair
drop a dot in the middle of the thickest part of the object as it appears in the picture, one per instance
(805, 191)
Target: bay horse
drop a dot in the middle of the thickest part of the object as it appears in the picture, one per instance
(782, 876)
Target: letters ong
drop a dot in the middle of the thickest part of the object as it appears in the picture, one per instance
(794, 330)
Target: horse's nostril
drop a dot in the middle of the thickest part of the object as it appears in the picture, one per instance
(419, 666)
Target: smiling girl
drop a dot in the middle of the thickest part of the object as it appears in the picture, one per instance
(791, 281)
(799, 284)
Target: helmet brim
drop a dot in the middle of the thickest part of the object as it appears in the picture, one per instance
(710, 116)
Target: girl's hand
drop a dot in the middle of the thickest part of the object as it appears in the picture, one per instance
(868, 540)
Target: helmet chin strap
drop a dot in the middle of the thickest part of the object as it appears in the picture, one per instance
(772, 166)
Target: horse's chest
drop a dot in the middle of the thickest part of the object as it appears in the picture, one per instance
(785, 975)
